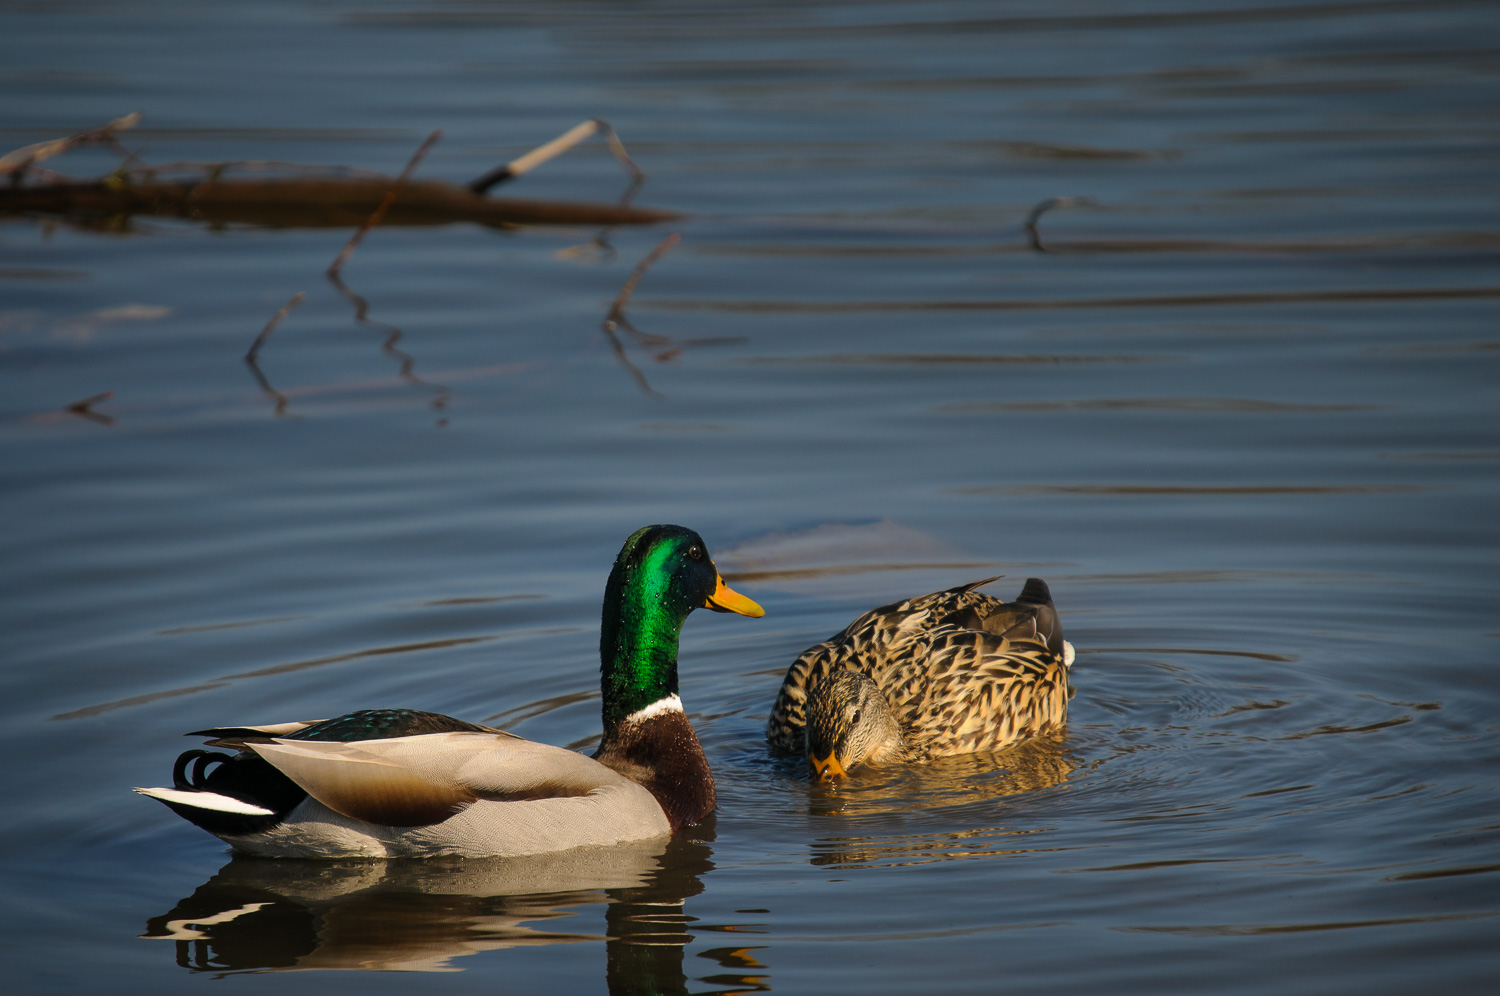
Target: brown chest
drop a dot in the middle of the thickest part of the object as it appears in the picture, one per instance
(663, 755)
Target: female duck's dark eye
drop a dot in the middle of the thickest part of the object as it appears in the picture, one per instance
(695, 551)
(854, 718)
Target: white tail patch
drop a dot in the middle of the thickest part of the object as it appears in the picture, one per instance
(206, 800)
(1068, 654)
(669, 704)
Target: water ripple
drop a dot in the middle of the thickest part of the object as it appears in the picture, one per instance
(1245, 298)
(1191, 490)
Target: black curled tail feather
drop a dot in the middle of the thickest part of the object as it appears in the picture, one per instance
(244, 776)
(186, 780)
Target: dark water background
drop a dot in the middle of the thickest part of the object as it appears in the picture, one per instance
(1242, 414)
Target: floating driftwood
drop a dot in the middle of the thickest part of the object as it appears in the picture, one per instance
(311, 197)
(309, 203)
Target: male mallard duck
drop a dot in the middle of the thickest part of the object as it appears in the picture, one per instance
(397, 782)
(947, 673)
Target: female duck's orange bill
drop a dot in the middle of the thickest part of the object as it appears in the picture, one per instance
(726, 599)
(826, 768)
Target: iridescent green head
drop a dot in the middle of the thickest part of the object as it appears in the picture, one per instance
(662, 574)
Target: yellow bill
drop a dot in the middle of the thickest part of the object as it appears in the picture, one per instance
(726, 599)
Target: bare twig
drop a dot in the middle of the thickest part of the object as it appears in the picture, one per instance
(559, 145)
(1043, 208)
(85, 408)
(276, 319)
(385, 205)
(16, 163)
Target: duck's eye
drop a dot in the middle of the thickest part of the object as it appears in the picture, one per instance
(695, 551)
(854, 718)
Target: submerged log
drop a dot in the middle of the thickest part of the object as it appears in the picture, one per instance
(306, 202)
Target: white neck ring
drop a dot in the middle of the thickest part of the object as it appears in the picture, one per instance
(671, 703)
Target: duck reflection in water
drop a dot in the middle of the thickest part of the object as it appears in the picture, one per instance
(946, 792)
(269, 915)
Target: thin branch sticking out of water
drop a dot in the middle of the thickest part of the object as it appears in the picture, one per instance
(254, 352)
(276, 319)
(1043, 208)
(393, 335)
(385, 205)
(85, 409)
(559, 145)
(556, 147)
(362, 307)
(265, 386)
(617, 312)
(616, 316)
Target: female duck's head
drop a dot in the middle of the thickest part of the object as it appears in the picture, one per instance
(662, 573)
(849, 723)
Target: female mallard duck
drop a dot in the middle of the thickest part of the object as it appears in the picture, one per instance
(947, 673)
(396, 782)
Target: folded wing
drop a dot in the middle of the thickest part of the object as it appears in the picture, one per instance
(421, 780)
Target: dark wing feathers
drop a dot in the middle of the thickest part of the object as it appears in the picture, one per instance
(366, 724)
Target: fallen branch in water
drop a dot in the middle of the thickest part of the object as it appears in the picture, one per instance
(311, 197)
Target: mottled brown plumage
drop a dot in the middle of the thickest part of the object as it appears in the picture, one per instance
(960, 671)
